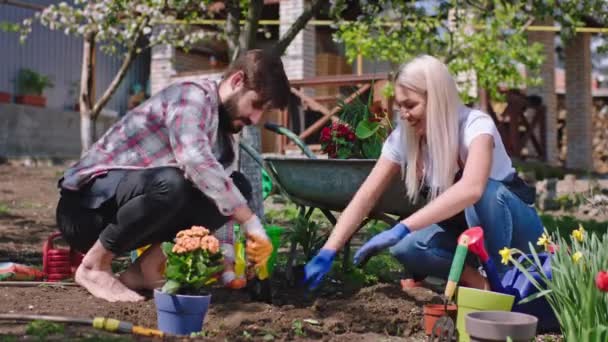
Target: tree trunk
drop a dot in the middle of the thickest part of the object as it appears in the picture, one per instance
(87, 83)
(89, 109)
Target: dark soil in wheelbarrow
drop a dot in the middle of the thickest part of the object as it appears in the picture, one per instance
(377, 313)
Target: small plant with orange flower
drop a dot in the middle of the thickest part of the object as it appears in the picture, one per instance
(193, 261)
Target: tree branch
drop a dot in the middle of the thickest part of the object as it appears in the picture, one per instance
(122, 72)
(233, 27)
(252, 24)
(311, 10)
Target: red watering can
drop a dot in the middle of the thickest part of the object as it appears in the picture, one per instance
(59, 263)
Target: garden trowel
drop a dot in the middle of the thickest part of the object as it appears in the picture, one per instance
(472, 238)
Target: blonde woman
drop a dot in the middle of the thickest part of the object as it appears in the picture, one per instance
(455, 157)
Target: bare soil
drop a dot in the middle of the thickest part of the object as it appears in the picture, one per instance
(28, 197)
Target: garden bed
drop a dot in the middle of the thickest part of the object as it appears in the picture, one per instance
(380, 312)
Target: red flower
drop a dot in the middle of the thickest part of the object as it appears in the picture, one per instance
(351, 136)
(330, 149)
(325, 134)
(343, 130)
(601, 281)
(553, 248)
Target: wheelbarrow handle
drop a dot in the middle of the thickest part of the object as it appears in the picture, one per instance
(276, 128)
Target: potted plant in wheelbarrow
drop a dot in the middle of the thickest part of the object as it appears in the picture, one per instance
(193, 261)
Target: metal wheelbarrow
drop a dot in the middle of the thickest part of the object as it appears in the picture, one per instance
(328, 184)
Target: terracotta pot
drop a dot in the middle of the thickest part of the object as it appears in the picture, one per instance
(432, 312)
(485, 326)
(31, 100)
(5, 97)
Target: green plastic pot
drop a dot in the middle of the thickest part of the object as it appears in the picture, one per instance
(472, 300)
(274, 233)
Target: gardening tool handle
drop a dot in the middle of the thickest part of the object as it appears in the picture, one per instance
(455, 270)
(143, 331)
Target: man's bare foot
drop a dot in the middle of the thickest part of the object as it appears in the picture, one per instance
(147, 271)
(95, 275)
(102, 284)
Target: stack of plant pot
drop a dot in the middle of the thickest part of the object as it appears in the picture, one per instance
(486, 316)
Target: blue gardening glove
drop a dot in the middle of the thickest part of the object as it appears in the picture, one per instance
(316, 268)
(379, 242)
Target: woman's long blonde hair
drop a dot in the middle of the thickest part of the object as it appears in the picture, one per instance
(428, 76)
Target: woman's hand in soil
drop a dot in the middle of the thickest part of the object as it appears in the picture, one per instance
(317, 268)
(379, 242)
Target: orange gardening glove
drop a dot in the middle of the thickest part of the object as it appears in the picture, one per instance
(258, 249)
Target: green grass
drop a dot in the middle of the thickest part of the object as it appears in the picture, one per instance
(4, 209)
(543, 171)
(43, 329)
(565, 224)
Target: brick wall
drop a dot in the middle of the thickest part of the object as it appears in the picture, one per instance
(579, 102)
(299, 58)
(547, 90)
(161, 67)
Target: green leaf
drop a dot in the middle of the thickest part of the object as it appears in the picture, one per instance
(171, 287)
(366, 129)
(174, 271)
(167, 247)
(371, 149)
(534, 296)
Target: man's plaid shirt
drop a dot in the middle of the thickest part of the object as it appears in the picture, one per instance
(176, 127)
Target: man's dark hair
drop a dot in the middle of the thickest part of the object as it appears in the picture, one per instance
(265, 75)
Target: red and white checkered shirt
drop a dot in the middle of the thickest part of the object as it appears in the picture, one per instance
(176, 127)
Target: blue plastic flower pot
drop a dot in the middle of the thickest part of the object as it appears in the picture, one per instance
(180, 314)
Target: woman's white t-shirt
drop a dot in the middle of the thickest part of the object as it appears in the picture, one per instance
(472, 123)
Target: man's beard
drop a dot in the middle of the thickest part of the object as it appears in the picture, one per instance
(229, 115)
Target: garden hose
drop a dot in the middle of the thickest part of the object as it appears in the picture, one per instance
(101, 323)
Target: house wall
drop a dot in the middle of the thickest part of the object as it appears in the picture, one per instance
(27, 131)
(59, 56)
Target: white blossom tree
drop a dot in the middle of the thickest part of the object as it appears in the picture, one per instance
(127, 27)
(123, 28)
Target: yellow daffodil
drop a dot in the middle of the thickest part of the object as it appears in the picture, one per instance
(579, 233)
(576, 257)
(505, 253)
(544, 240)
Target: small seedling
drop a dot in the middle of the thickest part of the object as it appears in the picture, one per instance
(297, 328)
(43, 329)
(247, 335)
(268, 337)
(201, 333)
